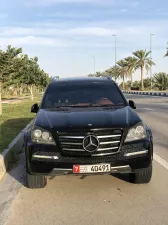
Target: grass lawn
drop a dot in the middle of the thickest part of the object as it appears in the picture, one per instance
(14, 118)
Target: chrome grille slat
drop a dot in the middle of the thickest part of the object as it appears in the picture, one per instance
(109, 141)
(81, 137)
(70, 143)
(106, 149)
(104, 154)
(101, 143)
(108, 136)
(74, 150)
(73, 137)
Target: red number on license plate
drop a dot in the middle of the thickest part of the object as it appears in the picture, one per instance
(76, 169)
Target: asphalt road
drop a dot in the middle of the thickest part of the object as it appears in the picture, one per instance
(98, 200)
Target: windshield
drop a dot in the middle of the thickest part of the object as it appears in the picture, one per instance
(82, 95)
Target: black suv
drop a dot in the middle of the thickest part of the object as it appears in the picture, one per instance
(85, 126)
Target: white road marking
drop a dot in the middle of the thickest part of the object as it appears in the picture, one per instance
(149, 109)
(160, 161)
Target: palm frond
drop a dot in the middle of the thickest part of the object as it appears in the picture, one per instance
(161, 81)
(147, 54)
(166, 55)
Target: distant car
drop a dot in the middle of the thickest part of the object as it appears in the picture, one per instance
(86, 126)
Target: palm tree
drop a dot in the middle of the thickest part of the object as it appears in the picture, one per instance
(143, 61)
(97, 74)
(4, 61)
(161, 81)
(12, 51)
(91, 75)
(122, 71)
(131, 65)
(113, 72)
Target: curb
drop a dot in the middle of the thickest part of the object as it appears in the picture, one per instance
(10, 155)
(163, 94)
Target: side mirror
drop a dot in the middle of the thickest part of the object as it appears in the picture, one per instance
(132, 104)
(34, 108)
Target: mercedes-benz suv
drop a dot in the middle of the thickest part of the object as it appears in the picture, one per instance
(85, 126)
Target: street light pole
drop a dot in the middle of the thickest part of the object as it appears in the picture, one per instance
(151, 58)
(115, 52)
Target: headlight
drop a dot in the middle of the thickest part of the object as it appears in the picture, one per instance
(37, 133)
(137, 132)
(42, 136)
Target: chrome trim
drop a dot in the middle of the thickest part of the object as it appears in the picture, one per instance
(70, 143)
(62, 169)
(101, 143)
(67, 144)
(45, 157)
(136, 153)
(103, 154)
(99, 150)
(121, 169)
(73, 137)
(75, 150)
(108, 136)
(108, 142)
(106, 149)
(101, 136)
(115, 169)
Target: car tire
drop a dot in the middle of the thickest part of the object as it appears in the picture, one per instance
(142, 176)
(36, 181)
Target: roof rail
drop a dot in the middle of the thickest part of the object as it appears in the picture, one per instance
(108, 77)
(55, 78)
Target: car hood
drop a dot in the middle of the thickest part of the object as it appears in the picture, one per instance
(123, 117)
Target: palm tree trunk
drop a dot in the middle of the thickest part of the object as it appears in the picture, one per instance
(0, 98)
(142, 76)
(123, 84)
(31, 92)
(131, 79)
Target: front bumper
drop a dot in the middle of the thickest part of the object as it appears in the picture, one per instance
(114, 169)
(48, 161)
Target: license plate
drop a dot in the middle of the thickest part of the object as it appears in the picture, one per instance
(102, 168)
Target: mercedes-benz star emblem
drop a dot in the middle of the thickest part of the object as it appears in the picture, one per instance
(90, 143)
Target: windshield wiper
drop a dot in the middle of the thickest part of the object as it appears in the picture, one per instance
(81, 106)
(65, 107)
(94, 105)
(108, 105)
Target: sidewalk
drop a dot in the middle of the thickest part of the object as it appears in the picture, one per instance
(15, 99)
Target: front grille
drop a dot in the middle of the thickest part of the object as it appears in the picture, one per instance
(109, 142)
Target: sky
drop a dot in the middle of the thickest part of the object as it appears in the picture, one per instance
(68, 36)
